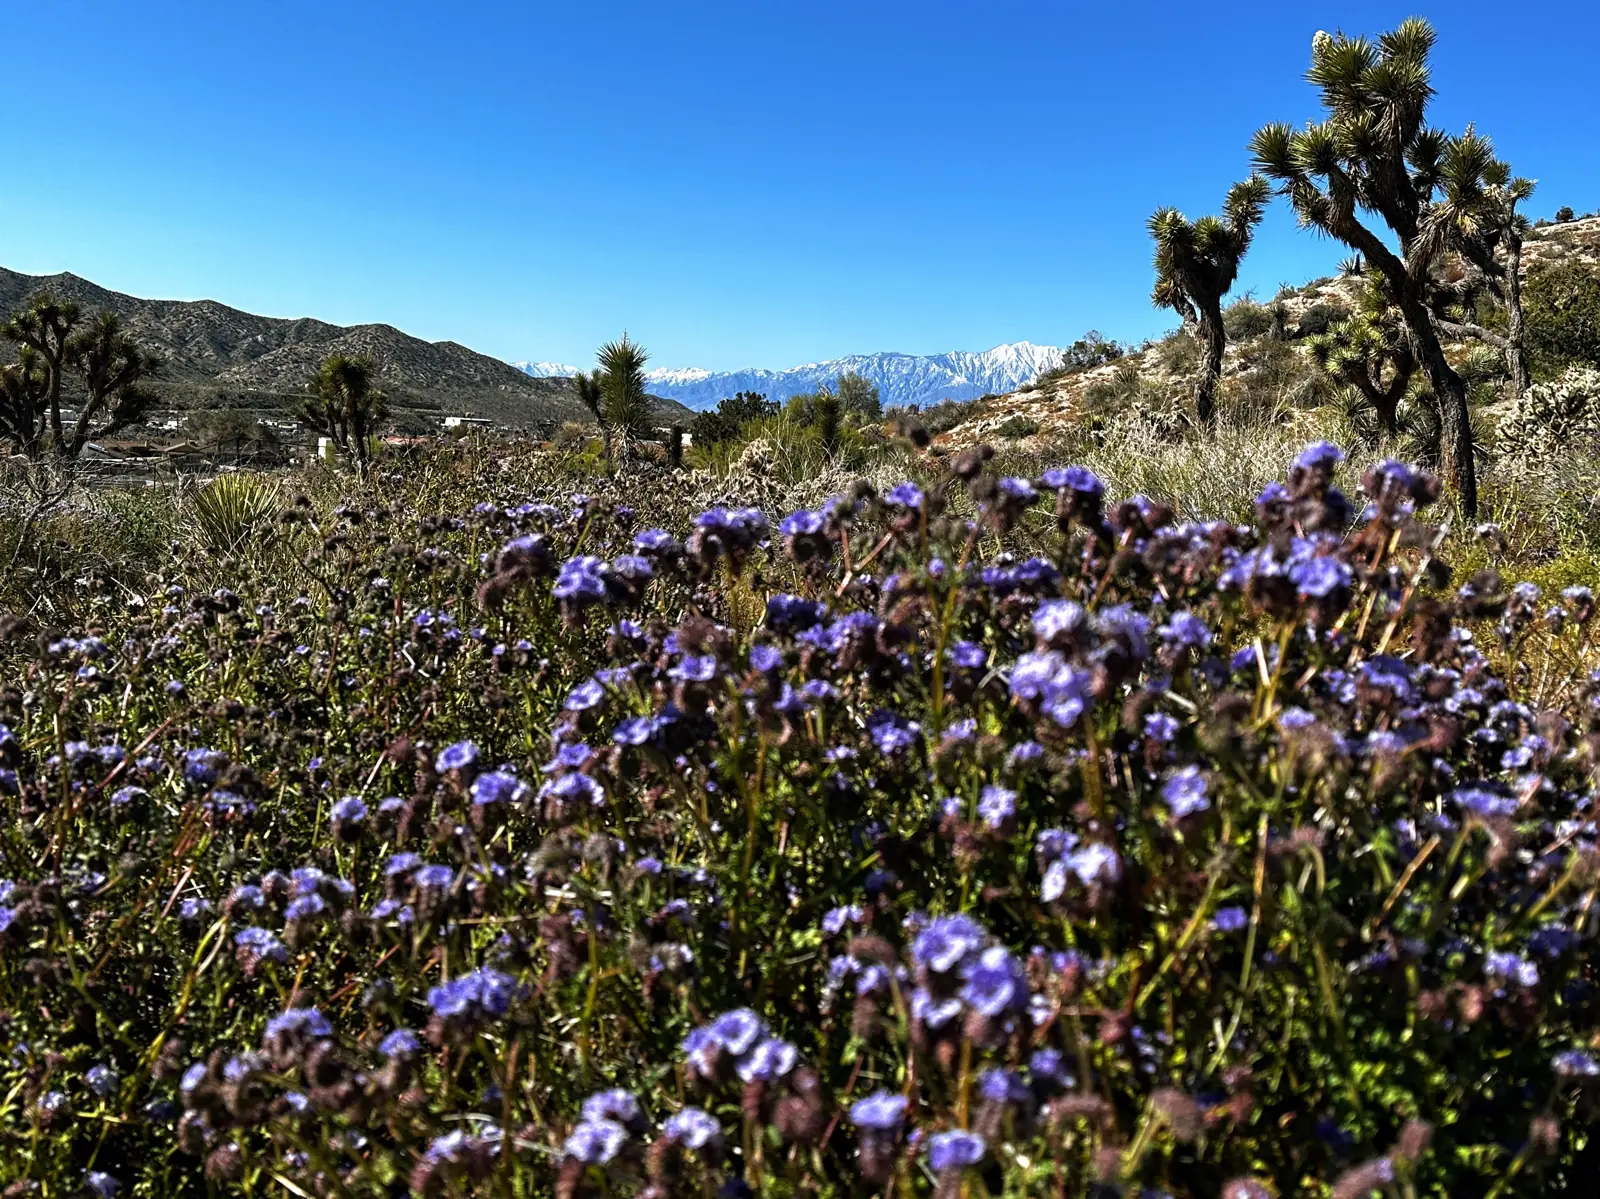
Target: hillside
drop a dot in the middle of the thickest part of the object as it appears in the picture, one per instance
(220, 357)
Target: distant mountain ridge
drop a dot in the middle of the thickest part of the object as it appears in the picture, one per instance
(902, 379)
(216, 356)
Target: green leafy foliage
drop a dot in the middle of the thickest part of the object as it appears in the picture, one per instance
(728, 419)
(1562, 302)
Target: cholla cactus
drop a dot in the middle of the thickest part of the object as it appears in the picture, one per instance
(1559, 415)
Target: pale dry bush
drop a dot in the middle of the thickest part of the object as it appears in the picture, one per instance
(762, 478)
(1204, 475)
(1544, 505)
(1554, 418)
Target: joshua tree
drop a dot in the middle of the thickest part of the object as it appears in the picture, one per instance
(627, 405)
(46, 327)
(24, 403)
(1475, 214)
(592, 394)
(342, 405)
(1368, 350)
(113, 366)
(1196, 264)
(53, 341)
(1374, 153)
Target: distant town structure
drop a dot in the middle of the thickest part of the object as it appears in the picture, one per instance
(468, 422)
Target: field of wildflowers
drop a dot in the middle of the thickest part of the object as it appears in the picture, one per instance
(981, 835)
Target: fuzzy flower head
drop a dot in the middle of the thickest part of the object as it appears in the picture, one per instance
(498, 788)
(994, 983)
(881, 1111)
(596, 1142)
(947, 942)
(997, 806)
(693, 1128)
(463, 755)
(473, 998)
(1186, 793)
(955, 1150)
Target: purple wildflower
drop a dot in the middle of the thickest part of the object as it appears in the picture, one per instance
(954, 1150)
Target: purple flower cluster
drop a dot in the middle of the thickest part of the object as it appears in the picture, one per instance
(904, 839)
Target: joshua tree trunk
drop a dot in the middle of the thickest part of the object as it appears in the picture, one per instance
(1213, 341)
(1516, 355)
(1422, 333)
(1383, 401)
(1452, 396)
(56, 432)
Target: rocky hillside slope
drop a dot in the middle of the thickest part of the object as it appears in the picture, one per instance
(220, 357)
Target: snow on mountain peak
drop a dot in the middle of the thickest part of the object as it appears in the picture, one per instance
(902, 379)
(677, 376)
(548, 370)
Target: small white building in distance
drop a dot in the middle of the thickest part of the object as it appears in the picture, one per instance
(467, 422)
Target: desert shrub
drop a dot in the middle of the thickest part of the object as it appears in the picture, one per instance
(809, 437)
(1089, 351)
(948, 414)
(1245, 319)
(1316, 318)
(728, 419)
(572, 433)
(1016, 426)
(139, 523)
(1564, 214)
(515, 845)
(1114, 392)
(1547, 510)
(1561, 304)
(1273, 379)
(1178, 352)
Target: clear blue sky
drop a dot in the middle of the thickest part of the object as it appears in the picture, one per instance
(752, 183)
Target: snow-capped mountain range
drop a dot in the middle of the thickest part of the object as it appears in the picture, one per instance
(902, 379)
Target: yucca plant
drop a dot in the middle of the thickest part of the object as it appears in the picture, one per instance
(625, 403)
(232, 510)
(1369, 352)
